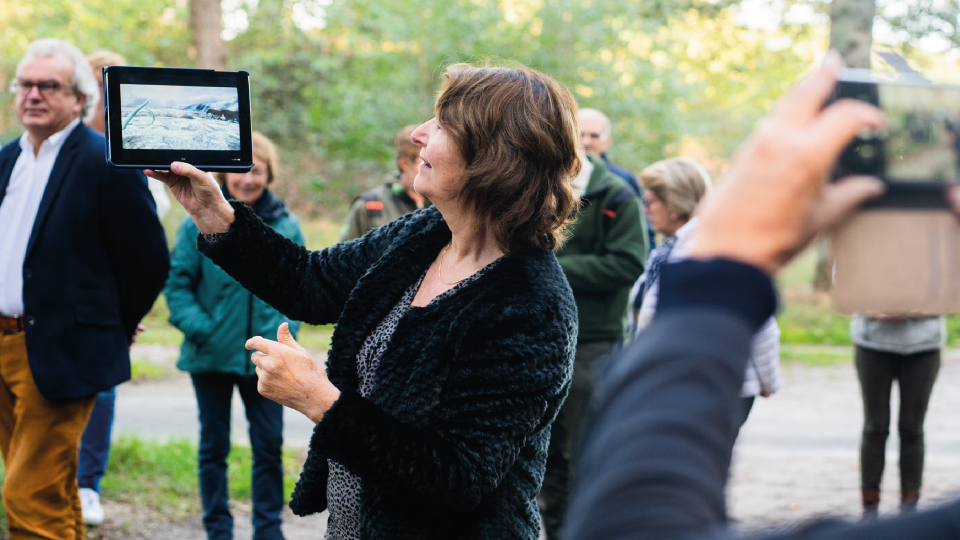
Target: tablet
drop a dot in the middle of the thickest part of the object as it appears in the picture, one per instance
(155, 116)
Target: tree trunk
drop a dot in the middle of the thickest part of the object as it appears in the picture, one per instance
(851, 34)
(206, 25)
(851, 30)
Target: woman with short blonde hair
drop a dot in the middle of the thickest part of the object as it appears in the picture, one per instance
(679, 183)
(674, 188)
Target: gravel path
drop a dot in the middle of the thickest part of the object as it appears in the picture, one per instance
(798, 454)
(796, 459)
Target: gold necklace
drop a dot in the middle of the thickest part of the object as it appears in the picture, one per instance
(440, 270)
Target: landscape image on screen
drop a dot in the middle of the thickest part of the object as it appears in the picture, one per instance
(922, 133)
(162, 117)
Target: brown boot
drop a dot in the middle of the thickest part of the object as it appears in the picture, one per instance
(871, 504)
(908, 501)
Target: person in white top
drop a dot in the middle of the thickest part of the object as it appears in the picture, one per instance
(672, 189)
(82, 259)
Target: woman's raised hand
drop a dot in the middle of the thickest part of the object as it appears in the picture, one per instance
(290, 376)
(773, 200)
(199, 194)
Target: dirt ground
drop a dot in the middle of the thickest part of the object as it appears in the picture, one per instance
(798, 454)
(796, 460)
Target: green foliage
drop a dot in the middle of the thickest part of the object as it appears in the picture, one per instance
(146, 32)
(333, 81)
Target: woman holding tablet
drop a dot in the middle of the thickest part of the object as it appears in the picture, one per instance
(456, 328)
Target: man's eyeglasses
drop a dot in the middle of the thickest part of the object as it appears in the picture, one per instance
(46, 88)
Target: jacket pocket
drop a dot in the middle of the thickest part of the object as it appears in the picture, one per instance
(98, 315)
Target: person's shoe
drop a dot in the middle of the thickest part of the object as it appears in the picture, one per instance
(90, 505)
(908, 501)
(871, 504)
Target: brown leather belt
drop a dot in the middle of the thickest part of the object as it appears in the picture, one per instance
(11, 325)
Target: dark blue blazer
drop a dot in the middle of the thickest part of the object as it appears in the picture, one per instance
(95, 262)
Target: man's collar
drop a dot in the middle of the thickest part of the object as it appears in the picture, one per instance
(55, 140)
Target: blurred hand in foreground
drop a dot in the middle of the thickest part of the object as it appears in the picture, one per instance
(199, 194)
(773, 201)
(290, 376)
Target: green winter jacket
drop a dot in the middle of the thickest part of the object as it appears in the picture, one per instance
(605, 254)
(377, 207)
(214, 312)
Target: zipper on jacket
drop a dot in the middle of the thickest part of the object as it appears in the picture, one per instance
(249, 364)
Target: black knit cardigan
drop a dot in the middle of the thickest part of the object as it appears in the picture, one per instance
(452, 440)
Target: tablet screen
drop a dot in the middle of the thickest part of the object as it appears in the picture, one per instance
(162, 117)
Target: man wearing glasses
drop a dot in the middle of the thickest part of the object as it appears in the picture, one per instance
(82, 258)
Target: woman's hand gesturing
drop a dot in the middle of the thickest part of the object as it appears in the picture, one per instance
(290, 376)
(199, 194)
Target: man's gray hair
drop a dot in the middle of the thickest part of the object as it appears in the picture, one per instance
(607, 126)
(83, 80)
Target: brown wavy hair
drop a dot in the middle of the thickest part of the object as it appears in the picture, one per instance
(518, 134)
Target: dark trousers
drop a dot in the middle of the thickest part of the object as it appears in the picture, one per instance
(746, 405)
(565, 433)
(915, 375)
(95, 444)
(214, 392)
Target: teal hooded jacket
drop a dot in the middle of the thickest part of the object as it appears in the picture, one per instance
(214, 312)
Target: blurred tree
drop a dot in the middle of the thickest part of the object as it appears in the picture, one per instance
(924, 19)
(851, 30)
(145, 32)
(333, 80)
(851, 34)
(206, 26)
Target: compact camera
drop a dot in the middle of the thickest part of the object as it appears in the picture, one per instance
(900, 253)
(918, 151)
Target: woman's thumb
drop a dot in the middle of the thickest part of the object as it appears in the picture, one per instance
(284, 336)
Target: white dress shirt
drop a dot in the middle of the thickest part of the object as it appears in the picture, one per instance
(18, 211)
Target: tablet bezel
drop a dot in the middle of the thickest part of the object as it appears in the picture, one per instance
(207, 160)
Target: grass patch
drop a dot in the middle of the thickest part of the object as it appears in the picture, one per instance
(813, 324)
(815, 356)
(148, 371)
(163, 475)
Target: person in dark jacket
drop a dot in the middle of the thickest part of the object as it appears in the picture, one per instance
(216, 315)
(657, 455)
(82, 259)
(602, 260)
(596, 132)
(383, 204)
(456, 327)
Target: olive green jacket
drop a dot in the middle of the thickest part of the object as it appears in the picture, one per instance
(605, 254)
(377, 207)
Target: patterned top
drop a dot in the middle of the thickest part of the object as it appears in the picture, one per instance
(343, 487)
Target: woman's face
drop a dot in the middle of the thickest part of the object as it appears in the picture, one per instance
(664, 220)
(249, 186)
(441, 172)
